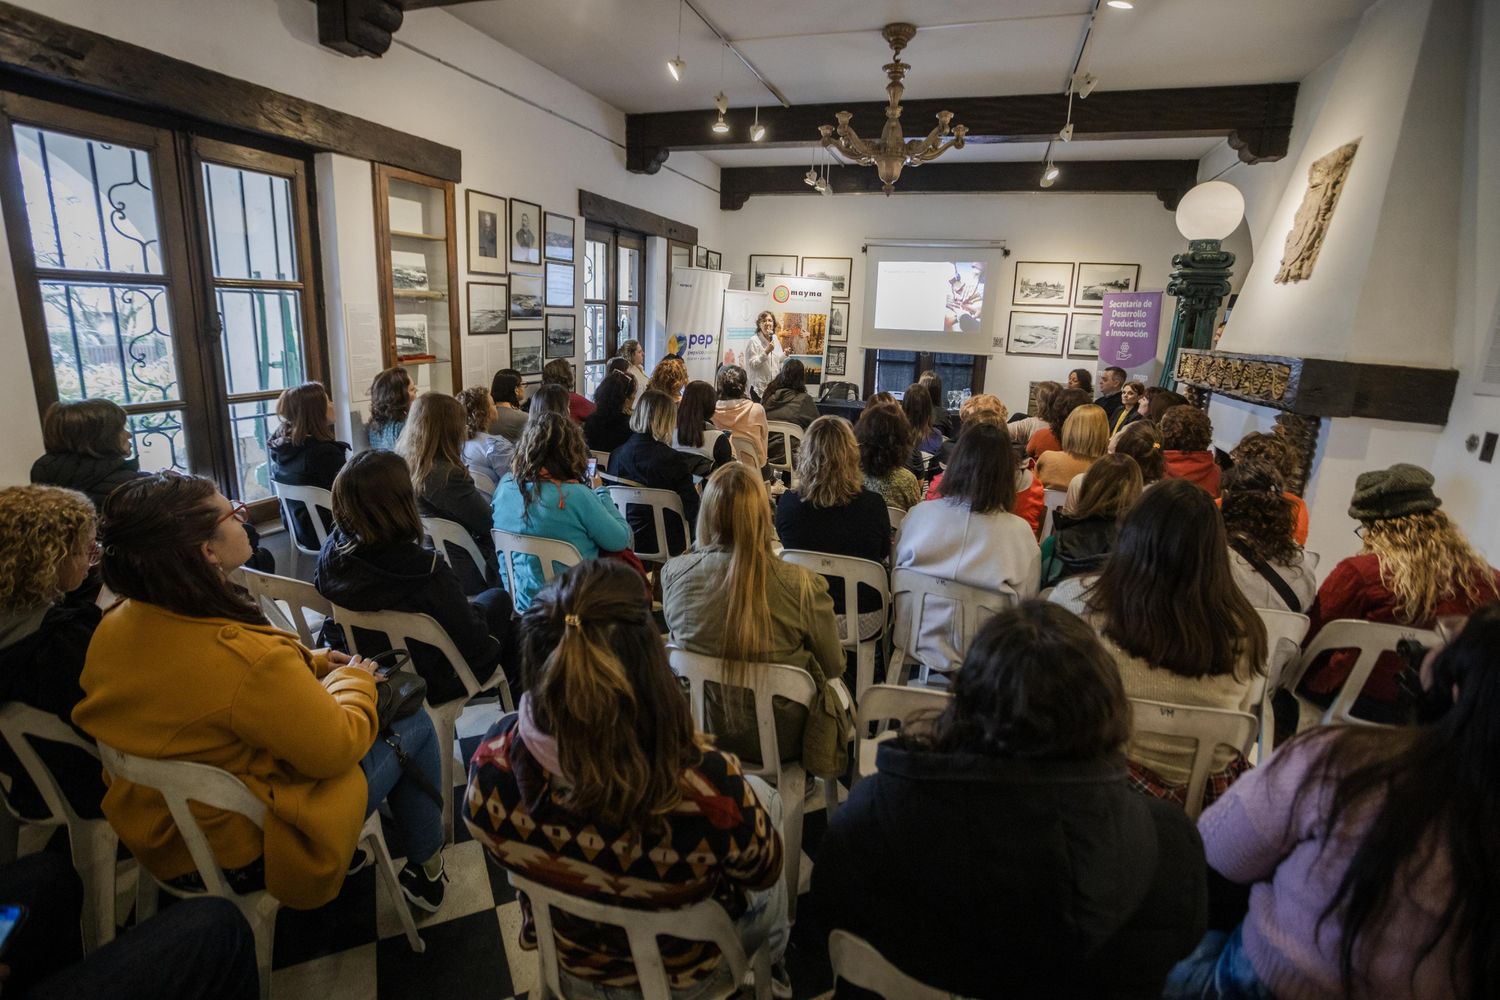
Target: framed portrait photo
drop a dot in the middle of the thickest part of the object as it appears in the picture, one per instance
(525, 296)
(526, 351)
(485, 218)
(766, 265)
(837, 359)
(489, 307)
(559, 285)
(1041, 283)
(838, 322)
(561, 330)
(835, 269)
(557, 237)
(525, 241)
(1042, 334)
(1083, 335)
(715, 260)
(700, 256)
(1096, 279)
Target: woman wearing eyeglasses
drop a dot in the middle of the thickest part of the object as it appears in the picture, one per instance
(186, 667)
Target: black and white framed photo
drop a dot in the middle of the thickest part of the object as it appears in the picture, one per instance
(409, 271)
(1039, 333)
(526, 350)
(767, 265)
(485, 216)
(1042, 283)
(715, 260)
(836, 360)
(557, 236)
(835, 269)
(489, 307)
(525, 296)
(1096, 279)
(561, 330)
(1083, 335)
(838, 322)
(559, 285)
(411, 336)
(700, 256)
(525, 242)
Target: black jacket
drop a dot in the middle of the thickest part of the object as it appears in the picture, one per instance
(407, 577)
(1110, 404)
(98, 477)
(449, 492)
(606, 431)
(659, 467)
(861, 528)
(312, 463)
(990, 877)
(790, 407)
(1078, 546)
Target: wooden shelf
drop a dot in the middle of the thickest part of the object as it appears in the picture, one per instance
(418, 293)
(417, 236)
(420, 359)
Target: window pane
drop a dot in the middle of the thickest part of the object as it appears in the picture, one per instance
(629, 324)
(90, 204)
(110, 342)
(251, 425)
(594, 346)
(630, 275)
(262, 339)
(895, 370)
(593, 374)
(159, 441)
(595, 269)
(249, 223)
(957, 373)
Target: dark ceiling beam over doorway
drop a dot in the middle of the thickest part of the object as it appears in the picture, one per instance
(1256, 119)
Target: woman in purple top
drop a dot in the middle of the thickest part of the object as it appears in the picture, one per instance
(1372, 851)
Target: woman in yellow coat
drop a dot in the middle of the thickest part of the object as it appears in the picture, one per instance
(186, 667)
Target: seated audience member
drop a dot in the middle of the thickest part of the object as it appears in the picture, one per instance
(942, 421)
(485, 453)
(1283, 457)
(1180, 630)
(1268, 564)
(88, 449)
(559, 372)
(603, 750)
(302, 452)
(1111, 393)
(391, 396)
(1369, 850)
(1049, 438)
(738, 416)
(832, 510)
(1129, 411)
(669, 376)
(198, 949)
(1415, 567)
(1159, 400)
(1081, 540)
(882, 397)
(1083, 380)
(1141, 440)
(547, 399)
(544, 495)
(916, 403)
(1085, 436)
(1084, 889)
(46, 621)
(634, 355)
(647, 457)
(1187, 440)
(1021, 426)
(971, 534)
(375, 561)
(729, 596)
(1031, 497)
(509, 393)
(608, 426)
(186, 667)
(786, 399)
(433, 445)
(884, 439)
(695, 432)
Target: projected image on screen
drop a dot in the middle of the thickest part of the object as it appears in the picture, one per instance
(929, 296)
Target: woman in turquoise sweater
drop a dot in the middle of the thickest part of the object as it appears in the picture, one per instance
(544, 495)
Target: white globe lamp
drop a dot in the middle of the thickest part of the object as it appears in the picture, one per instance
(1210, 211)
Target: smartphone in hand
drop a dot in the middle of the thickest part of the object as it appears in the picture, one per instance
(591, 471)
(12, 916)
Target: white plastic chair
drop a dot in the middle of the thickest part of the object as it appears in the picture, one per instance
(314, 500)
(1209, 728)
(883, 703)
(897, 515)
(702, 921)
(791, 439)
(660, 501)
(845, 574)
(916, 595)
(182, 782)
(549, 553)
(444, 533)
(1284, 633)
(1371, 639)
(1054, 500)
(400, 629)
(300, 597)
(772, 680)
(745, 451)
(482, 482)
(856, 961)
(91, 841)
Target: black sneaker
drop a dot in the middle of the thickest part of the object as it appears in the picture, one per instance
(424, 893)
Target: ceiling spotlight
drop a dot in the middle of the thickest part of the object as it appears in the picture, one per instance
(722, 103)
(676, 67)
(1084, 86)
(810, 178)
(757, 130)
(1050, 174)
(1120, 4)
(1066, 135)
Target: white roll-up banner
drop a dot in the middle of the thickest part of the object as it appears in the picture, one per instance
(694, 311)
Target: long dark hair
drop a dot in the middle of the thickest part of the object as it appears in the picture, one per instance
(1036, 684)
(694, 412)
(1142, 442)
(1258, 517)
(373, 500)
(793, 377)
(916, 403)
(1416, 791)
(933, 383)
(91, 427)
(884, 439)
(982, 472)
(152, 531)
(505, 387)
(551, 447)
(1167, 594)
(613, 395)
(303, 411)
(389, 397)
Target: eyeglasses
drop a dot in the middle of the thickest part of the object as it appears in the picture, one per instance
(1359, 531)
(240, 512)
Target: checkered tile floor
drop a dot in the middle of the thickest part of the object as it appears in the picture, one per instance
(353, 948)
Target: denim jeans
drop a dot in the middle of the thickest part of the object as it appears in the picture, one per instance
(763, 922)
(417, 818)
(1218, 969)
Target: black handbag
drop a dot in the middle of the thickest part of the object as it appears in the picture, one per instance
(400, 694)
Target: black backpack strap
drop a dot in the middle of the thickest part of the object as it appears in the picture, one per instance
(1268, 573)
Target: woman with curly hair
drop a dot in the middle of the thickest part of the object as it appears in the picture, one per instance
(884, 439)
(485, 453)
(1415, 567)
(391, 396)
(1267, 562)
(1187, 440)
(669, 376)
(1282, 456)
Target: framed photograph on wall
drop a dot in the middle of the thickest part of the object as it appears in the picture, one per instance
(561, 329)
(1096, 279)
(489, 307)
(835, 269)
(559, 285)
(525, 244)
(836, 360)
(700, 256)
(526, 351)
(1083, 335)
(557, 237)
(715, 260)
(1038, 333)
(485, 218)
(838, 322)
(1040, 283)
(765, 265)
(525, 296)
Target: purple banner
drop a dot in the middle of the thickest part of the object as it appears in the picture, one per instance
(1129, 329)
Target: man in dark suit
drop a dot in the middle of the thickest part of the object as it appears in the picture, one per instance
(1110, 384)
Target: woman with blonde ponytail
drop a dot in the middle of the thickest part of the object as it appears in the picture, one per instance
(729, 596)
(603, 749)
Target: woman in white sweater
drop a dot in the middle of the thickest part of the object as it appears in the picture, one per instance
(969, 535)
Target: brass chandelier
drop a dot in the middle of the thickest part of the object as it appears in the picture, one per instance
(893, 152)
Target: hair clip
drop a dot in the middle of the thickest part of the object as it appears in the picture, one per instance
(572, 621)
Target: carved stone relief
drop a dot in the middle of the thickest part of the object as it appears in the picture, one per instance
(1325, 181)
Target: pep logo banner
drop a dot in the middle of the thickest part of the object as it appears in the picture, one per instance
(693, 314)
